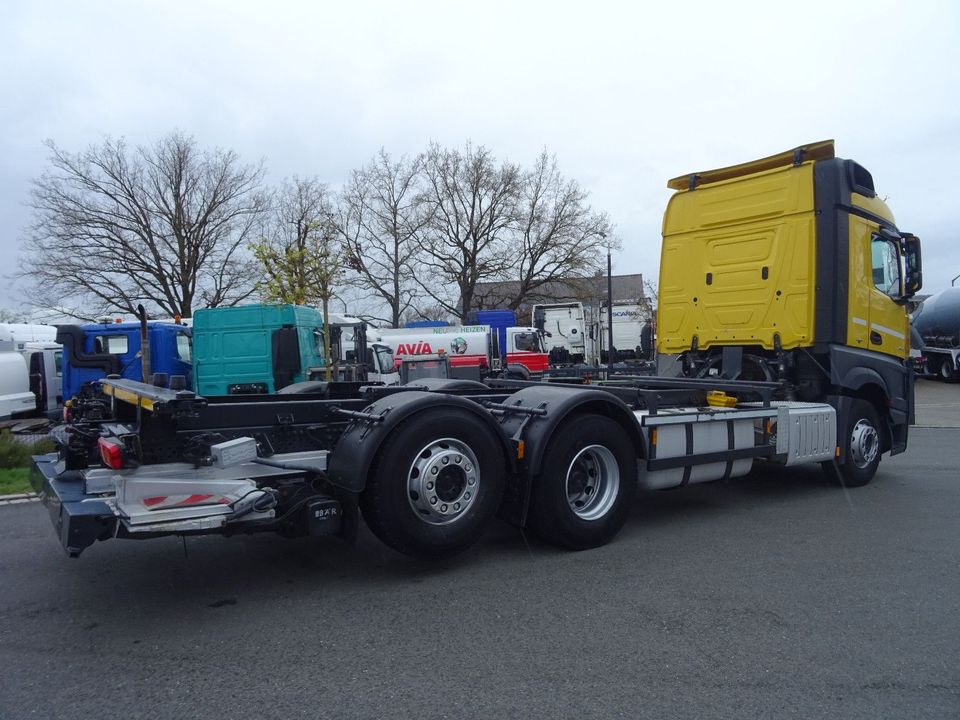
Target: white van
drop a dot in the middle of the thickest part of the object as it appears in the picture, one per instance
(15, 396)
(41, 358)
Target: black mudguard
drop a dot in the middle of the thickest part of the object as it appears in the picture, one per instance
(560, 403)
(355, 451)
(854, 370)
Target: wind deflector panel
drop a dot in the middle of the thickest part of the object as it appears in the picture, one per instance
(285, 349)
(72, 337)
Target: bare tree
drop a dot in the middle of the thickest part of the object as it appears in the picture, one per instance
(426, 312)
(303, 258)
(382, 216)
(473, 202)
(558, 236)
(651, 297)
(164, 225)
(302, 208)
(12, 316)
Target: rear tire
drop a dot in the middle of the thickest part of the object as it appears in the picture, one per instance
(587, 483)
(862, 447)
(947, 373)
(435, 484)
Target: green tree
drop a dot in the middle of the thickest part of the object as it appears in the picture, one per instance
(302, 255)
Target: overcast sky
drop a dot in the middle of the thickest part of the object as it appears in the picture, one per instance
(626, 94)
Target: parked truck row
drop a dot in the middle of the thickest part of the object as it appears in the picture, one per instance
(243, 350)
(783, 286)
(572, 336)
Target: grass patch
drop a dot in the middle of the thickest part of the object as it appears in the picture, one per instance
(15, 462)
(14, 480)
(15, 453)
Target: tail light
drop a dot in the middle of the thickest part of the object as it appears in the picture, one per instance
(111, 453)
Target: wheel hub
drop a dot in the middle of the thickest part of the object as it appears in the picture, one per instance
(593, 482)
(864, 443)
(450, 484)
(443, 481)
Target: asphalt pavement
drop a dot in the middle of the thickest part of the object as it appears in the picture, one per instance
(772, 596)
(937, 403)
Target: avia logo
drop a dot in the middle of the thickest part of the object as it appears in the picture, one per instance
(417, 348)
(458, 346)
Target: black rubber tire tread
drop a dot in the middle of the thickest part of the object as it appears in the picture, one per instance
(945, 372)
(550, 515)
(849, 474)
(384, 502)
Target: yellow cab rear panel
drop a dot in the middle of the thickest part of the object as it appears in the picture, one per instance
(776, 254)
(738, 263)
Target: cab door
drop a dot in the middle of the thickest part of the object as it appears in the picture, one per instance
(889, 327)
(875, 320)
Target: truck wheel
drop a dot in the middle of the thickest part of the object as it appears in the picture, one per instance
(435, 484)
(587, 484)
(862, 449)
(947, 373)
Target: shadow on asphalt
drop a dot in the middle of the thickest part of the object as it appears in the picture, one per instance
(161, 578)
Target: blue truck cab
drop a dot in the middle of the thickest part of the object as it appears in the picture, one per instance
(93, 351)
(255, 348)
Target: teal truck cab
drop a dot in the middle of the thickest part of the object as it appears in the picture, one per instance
(257, 349)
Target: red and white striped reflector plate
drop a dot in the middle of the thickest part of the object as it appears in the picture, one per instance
(162, 502)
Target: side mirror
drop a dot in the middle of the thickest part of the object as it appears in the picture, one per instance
(913, 267)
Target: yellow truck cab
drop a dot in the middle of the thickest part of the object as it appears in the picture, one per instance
(791, 268)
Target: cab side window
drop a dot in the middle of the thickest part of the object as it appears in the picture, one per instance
(525, 341)
(529, 342)
(113, 344)
(183, 347)
(886, 266)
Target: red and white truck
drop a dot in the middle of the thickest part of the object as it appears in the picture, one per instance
(469, 346)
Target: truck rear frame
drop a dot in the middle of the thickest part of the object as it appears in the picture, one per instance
(427, 466)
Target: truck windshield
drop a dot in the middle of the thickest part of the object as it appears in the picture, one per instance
(385, 359)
